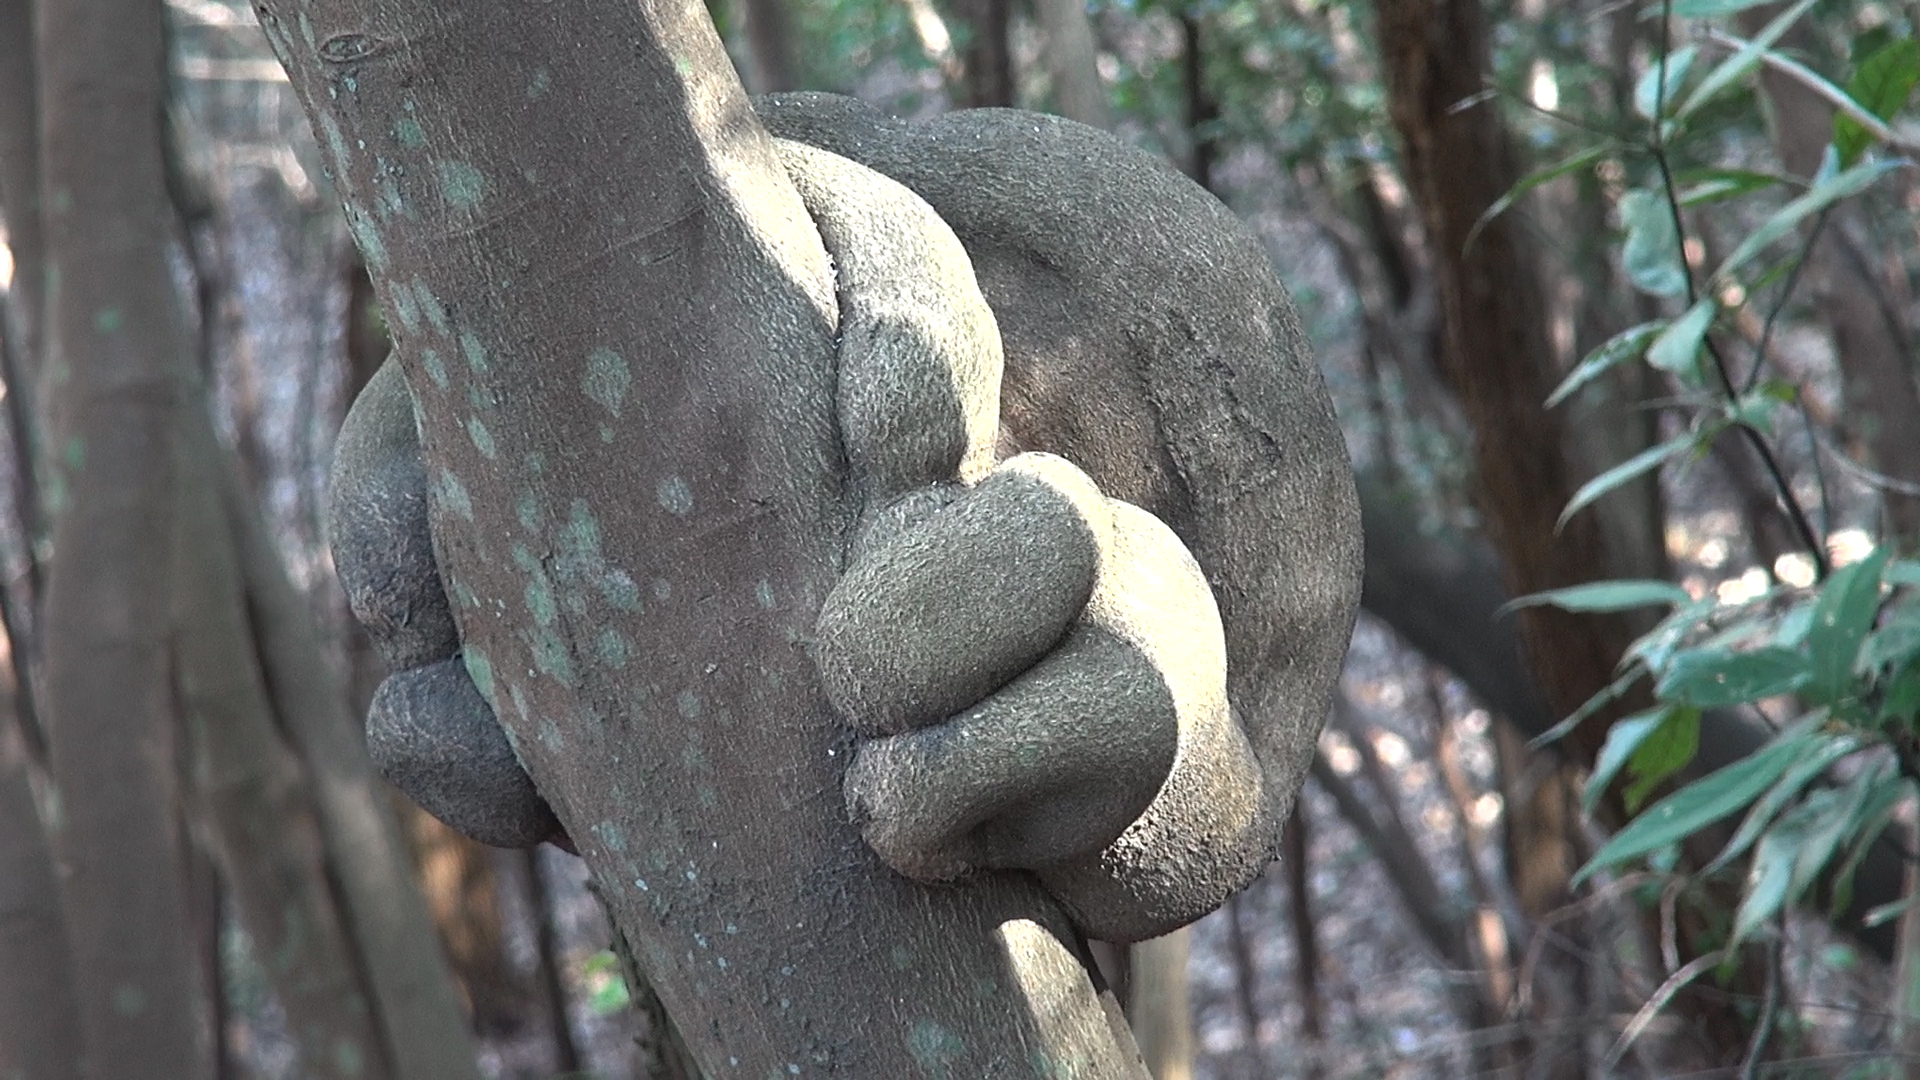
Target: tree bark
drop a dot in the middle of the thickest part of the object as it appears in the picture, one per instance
(770, 45)
(119, 343)
(425, 1034)
(461, 883)
(254, 797)
(610, 155)
(1072, 62)
(20, 187)
(986, 59)
(39, 1015)
(1159, 1006)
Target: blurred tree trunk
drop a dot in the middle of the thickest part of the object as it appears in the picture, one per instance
(986, 57)
(426, 1034)
(254, 797)
(116, 334)
(20, 188)
(1073, 62)
(1158, 1005)
(770, 45)
(1498, 357)
(461, 882)
(1864, 305)
(39, 1016)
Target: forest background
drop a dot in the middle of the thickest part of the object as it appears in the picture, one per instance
(1689, 223)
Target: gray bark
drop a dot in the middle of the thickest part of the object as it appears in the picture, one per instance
(39, 1016)
(1072, 56)
(118, 341)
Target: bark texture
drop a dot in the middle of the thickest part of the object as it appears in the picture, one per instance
(119, 344)
(585, 167)
(39, 1015)
(1072, 62)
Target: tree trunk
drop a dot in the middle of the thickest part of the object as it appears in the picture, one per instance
(254, 797)
(770, 45)
(116, 333)
(1159, 1006)
(20, 187)
(986, 60)
(39, 1016)
(1072, 62)
(425, 1034)
(771, 932)
(462, 887)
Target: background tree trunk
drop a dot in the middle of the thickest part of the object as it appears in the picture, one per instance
(39, 1016)
(118, 343)
(1072, 62)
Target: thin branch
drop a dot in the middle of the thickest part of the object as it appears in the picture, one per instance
(1647, 1013)
(1769, 1010)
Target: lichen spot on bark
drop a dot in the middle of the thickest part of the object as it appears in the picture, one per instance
(453, 495)
(935, 1047)
(476, 353)
(611, 648)
(430, 306)
(482, 438)
(538, 86)
(675, 496)
(607, 379)
(461, 184)
(480, 670)
(373, 249)
(408, 132)
(612, 835)
(108, 320)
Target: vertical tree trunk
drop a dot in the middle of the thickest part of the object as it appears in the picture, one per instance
(462, 888)
(1073, 62)
(118, 342)
(770, 45)
(39, 1016)
(1159, 1006)
(774, 936)
(254, 797)
(987, 58)
(424, 1031)
(20, 187)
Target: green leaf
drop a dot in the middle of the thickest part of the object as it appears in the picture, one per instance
(1656, 647)
(1533, 180)
(1701, 803)
(1901, 702)
(1884, 793)
(1881, 83)
(1639, 464)
(1623, 595)
(1714, 185)
(1668, 750)
(1706, 9)
(1902, 572)
(1888, 912)
(1592, 705)
(1651, 254)
(1623, 740)
(1768, 883)
(1895, 642)
(1648, 93)
(1711, 678)
(1815, 760)
(1841, 618)
(1743, 62)
(1828, 191)
(1677, 349)
(1622, 347)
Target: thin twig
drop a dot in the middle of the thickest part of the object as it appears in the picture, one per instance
(1658, 1001)
(1780, 302)
(1769, 1009)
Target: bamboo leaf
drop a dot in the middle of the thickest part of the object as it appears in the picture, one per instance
(1677, 349)
(1662, 754)
(1623, 739)
(1711, 678)
(1720, 793)
(1651, 254)
(1706, 9)
(1644, 462)
(1742, 63)
(1814, 762)
(1627, 345)
(1647, 93)
(1881, 83)
(1841, 618)
(1624, 595)
(1533, 180)
(1830, 190)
